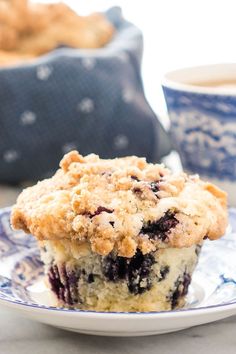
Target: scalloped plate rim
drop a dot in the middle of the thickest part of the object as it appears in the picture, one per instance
(36, 311)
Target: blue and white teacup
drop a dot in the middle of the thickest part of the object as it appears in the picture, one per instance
(201, 104)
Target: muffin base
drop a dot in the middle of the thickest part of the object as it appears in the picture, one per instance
(79, 278)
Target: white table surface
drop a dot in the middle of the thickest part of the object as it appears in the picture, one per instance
(22, 336)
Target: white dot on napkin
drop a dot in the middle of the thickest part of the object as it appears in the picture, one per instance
(86, 105)
(127, 95)
(43, 72)
(10, 155)
(88, 63)
(28, 118)
(120, 142)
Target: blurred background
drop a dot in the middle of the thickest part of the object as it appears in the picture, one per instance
(176, 34)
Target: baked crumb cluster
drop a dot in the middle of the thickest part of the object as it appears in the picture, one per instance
(31, 29)
(121, 206)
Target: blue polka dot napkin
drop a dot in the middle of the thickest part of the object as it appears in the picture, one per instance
(90, 100)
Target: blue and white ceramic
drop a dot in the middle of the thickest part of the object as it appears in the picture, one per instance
(203, 122)
(212, 294)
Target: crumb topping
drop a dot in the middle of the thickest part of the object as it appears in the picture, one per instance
(121, 205)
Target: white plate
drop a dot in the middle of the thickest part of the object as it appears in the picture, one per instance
(212, 295)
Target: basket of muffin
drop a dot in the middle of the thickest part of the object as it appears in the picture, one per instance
(70, 82)
(121, 234)
(29, 30)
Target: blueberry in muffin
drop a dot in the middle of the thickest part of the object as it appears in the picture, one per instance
(121, 234)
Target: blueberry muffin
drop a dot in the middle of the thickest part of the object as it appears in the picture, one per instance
(121, 234)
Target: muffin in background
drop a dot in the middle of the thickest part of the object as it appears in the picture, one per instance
(31, 29)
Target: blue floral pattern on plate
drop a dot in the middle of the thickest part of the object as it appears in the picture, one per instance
(22, 280)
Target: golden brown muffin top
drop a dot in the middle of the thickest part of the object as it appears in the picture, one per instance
(121, 204)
